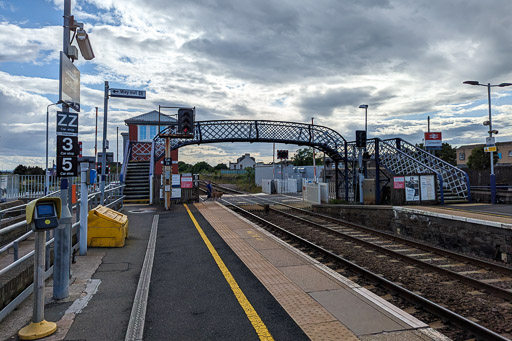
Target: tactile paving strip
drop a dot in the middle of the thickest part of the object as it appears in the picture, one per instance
(315, 320)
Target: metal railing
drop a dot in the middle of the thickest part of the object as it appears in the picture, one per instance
(32, 186)
(113, 198)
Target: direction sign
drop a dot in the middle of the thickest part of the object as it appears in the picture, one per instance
(67, 146)
(67, 124)
(69, 83)
(127, 93)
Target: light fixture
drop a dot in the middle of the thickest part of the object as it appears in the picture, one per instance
(486, 123)
(82, 38)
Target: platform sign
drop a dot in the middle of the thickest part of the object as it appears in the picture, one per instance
(67, 166)
(398, 182)
(187, 182)
(167, 161)
(69, 83)
(67, 123)
(128, 93)
(433, 141)
(67, 146)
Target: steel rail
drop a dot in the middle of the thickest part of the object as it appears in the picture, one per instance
(503, 293)
(436, 309)
(463, 258)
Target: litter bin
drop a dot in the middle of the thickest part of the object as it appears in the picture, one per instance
(106, 227)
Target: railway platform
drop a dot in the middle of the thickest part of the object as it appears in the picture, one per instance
(203, 272)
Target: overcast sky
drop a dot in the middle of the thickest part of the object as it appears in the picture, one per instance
(286, 60)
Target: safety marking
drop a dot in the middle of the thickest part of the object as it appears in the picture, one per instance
(499, 215)
(135, 329)
(249, 310)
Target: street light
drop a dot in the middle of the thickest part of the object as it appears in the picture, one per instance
(46, 178)
(491, 131)
(365, 107)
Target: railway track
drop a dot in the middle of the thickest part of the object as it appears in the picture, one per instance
(220, 188)
(464, 296)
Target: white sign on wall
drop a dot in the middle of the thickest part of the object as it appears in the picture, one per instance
(428, 187)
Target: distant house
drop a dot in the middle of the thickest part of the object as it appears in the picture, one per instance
(243, 162)
(504, 148)
(141, 131)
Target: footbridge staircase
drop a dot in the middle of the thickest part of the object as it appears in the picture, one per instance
(391, 156)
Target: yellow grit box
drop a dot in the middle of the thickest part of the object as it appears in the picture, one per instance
(106, 227)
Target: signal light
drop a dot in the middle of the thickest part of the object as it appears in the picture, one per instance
(361, 138)
(186, 121)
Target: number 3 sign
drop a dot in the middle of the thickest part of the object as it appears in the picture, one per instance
(67, 152)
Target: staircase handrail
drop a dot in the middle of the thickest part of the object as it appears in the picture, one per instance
(407, 156)
(126, 159)
(151, 170)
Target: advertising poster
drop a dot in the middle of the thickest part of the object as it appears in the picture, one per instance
(412, 188)
(428, 187)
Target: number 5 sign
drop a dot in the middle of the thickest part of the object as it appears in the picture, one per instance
(67, 166)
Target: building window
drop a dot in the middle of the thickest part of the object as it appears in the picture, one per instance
(462, 156)
(142, 133)
(152, 131)
(510, 153)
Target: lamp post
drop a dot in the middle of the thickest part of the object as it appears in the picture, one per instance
(365, 107)
(46, 178)
(313, 148)
(491, 131)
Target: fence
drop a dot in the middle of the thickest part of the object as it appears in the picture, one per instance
(15, 186)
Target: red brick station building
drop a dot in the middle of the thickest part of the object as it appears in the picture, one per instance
(141, 131)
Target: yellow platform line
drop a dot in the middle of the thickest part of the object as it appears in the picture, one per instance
(252, 315)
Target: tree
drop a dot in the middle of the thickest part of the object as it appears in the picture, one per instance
(304, 157)
(447, 154)
(24, 170)
(201, 166)
(184, 167)
(480, 160)
(220, 166)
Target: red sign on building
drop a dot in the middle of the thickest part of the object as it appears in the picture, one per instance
(398, 182)
(187, 182)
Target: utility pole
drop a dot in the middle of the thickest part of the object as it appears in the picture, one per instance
(62, 242)
(104, 155)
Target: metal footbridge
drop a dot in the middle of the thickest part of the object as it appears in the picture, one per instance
(396, 156)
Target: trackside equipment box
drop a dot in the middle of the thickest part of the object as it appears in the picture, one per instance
(106, 227)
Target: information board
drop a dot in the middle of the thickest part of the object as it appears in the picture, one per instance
(187, 182)
(428, 187)
(398, 182)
